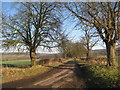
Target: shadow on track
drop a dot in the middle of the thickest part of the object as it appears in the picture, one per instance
(79, 70)
(68, 65)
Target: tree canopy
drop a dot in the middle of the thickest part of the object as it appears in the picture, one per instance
(35, 24)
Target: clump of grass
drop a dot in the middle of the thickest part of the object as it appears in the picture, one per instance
(102, 77)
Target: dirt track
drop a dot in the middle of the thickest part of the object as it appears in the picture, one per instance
(67, 75)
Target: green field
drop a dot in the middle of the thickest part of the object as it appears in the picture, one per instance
(22, 62)
(19, 63)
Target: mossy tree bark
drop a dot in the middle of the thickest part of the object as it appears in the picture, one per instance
(111, 56)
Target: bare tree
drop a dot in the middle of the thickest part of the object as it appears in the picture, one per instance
(34, 24)
(64, 43)
(104, 16)
(89, 39)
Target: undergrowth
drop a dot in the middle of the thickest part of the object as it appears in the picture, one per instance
(100, 76)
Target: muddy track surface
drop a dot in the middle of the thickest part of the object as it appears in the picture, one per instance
(68, 75)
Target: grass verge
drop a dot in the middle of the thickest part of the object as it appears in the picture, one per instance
(100, 76)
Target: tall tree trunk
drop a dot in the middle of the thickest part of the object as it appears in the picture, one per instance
(32, 56)
(111, 57)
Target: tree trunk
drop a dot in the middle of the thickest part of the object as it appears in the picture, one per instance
(111, 57)
(32, 56)
(88, 54)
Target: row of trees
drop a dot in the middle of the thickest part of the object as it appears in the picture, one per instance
(83, 47)
(89, 40)
(104, 17)
(39, 24)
